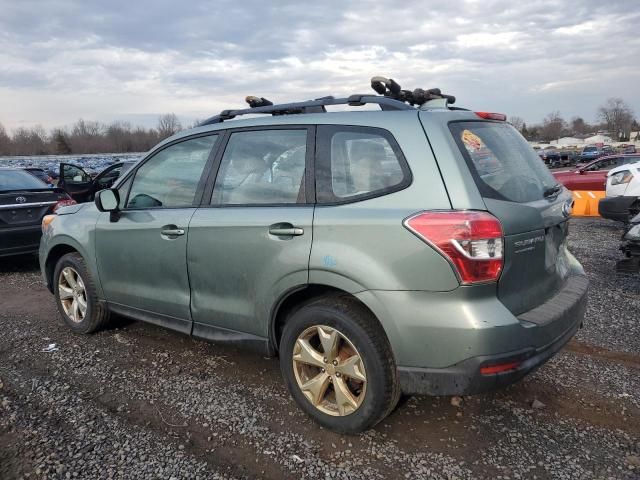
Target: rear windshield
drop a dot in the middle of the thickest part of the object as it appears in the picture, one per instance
(501, 161)
(18, 180)
(590, 149)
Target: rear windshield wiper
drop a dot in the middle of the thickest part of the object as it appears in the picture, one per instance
(549, 192)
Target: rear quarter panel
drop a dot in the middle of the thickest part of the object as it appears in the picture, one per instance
(364, 245)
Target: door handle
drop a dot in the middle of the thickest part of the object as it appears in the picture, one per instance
(286, 231)
(172, 232)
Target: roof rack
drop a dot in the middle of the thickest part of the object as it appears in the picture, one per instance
(311, 106)
(392, 97)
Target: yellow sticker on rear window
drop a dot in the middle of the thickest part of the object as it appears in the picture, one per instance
(471, 141)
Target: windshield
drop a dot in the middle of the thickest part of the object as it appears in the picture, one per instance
(18, 180)
(589, 149)
(501, 161)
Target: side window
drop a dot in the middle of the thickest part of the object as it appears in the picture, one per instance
(357, 162)
(108, 179)
(171, 177)
(262, 167)
(73, 174)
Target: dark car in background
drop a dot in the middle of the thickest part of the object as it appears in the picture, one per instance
(565, 158)
(39, 173)
(80, 184)
(549, 155)
(24, 200)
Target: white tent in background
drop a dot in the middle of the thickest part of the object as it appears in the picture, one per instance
(598, 139)
(567, 141)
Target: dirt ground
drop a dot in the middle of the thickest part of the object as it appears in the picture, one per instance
(137, 401)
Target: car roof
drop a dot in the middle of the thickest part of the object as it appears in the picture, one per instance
(365, 118)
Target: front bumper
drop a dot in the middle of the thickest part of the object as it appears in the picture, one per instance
(464, 378)
(616, 208)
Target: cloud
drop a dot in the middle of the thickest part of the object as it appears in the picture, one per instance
(65, 59)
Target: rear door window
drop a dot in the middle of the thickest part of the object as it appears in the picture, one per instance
(355, 163)
(263, 167)
(501, 162)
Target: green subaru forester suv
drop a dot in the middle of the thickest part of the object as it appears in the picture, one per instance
(417, 249)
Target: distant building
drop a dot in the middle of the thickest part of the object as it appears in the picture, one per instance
(568, 141)
(598, 139)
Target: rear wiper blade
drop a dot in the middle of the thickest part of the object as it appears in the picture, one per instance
(552, 190)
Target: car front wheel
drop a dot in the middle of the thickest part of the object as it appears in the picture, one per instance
(338, 365)
(76, 297)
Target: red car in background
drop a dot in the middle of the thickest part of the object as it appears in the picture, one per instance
(593, 176)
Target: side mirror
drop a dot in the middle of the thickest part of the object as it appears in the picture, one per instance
(581, 171)
(107, 200)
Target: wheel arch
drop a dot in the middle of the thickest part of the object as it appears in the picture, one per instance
(295, 298)
(56, 252)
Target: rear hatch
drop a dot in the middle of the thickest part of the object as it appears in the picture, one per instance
(518, 189)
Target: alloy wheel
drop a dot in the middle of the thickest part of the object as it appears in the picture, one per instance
(73, 295)
(329, 370)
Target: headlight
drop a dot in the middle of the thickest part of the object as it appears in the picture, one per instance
(46, 221)
(624, 176)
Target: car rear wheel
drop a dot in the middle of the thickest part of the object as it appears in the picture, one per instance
(76, 296)
(338, 365)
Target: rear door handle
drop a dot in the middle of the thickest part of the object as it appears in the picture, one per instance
(281, 230)
(172, 232)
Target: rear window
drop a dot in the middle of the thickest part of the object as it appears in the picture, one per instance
(18, 180)
(356, 163)
(502, 163)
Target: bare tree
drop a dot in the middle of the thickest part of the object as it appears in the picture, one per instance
(579, 126)
(552, 126)
(60, 142)
(618, 117)
(5, 142)
(168, 124)
(517, 122)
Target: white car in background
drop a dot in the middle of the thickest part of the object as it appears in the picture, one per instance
(622, 202)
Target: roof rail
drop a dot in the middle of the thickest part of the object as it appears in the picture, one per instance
(311, 106)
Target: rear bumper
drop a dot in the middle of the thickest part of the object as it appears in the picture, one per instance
(616, 208)
(464, 378)
(19, 240)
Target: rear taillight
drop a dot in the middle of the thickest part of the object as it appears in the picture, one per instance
(492, 116)
(63, 203)
(471, 241)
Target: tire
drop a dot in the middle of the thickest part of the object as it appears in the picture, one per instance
(359, 335)
(96, 316)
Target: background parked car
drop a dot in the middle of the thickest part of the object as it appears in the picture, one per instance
(593, 176)
(24, 200)
(549, 155)
(588, 154)
(39, 173)
(623, 191)
(565, 158)
(82, 186)
(630, 247)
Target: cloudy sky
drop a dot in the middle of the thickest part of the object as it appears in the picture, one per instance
(132, 60)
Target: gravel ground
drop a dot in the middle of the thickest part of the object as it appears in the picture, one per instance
(141, 402)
